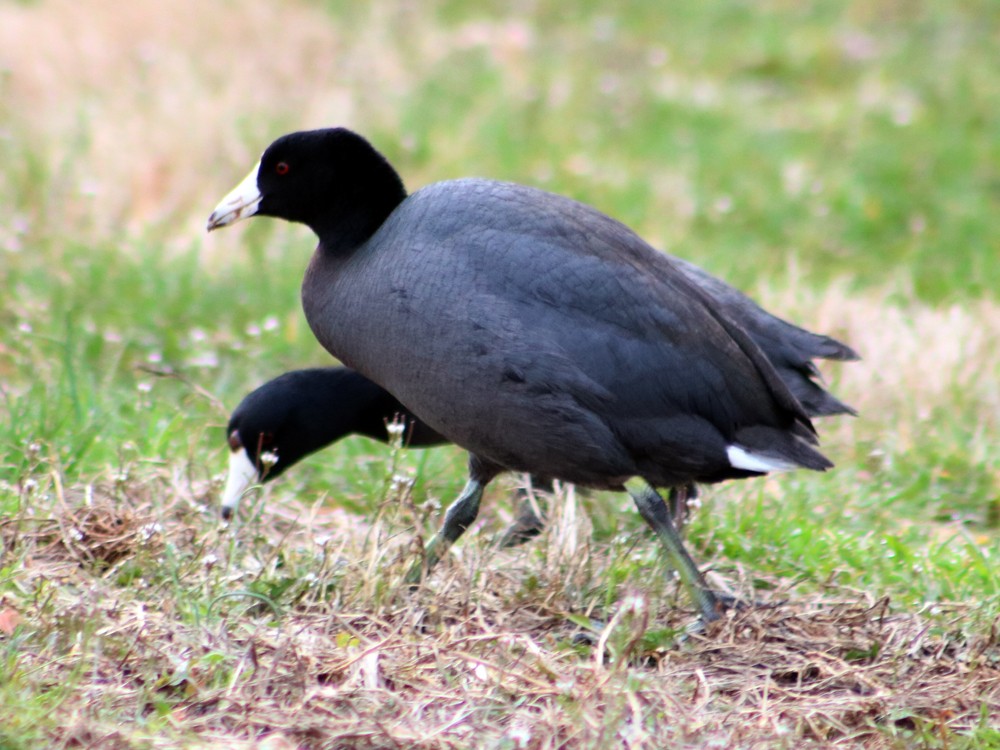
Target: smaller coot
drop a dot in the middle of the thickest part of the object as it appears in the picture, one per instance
(303, 411)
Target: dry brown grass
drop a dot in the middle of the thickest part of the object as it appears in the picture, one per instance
(486, 656)
(135, 104)
(478, 659)
(916, 360)
(150, 84)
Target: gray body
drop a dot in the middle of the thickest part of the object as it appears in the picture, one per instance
(541, 335)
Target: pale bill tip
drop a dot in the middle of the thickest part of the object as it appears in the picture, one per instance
(241, 202)
(242, 474)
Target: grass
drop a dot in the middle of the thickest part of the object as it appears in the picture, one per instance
(835, 160)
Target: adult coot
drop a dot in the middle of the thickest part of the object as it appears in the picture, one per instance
(530, 329)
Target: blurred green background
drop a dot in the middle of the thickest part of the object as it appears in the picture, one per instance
(836, 160)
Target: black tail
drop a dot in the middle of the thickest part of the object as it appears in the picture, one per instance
(790, 349)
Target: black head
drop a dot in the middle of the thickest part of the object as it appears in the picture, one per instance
(301, 412)
(332, 180)
(298, 413)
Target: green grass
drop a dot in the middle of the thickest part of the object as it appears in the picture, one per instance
(838, 161)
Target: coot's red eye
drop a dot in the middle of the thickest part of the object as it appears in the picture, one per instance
(281, 167)
(234, 441)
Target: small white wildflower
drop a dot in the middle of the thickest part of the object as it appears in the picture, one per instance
(603, 28)
(253, 330)
(401, 481)
(794, 176)
(704, 93)
(76, 533)
(903, 109)
(723, 204)
(269, 458)
(150, 530)
(210, 560)
(198, 334)
(204, 359)
(396, 428)
(182, 666)
(633, 603)
(30, 485)
(270, 323)
(144, 387)
(112, 337)
(89, 187)
(657, 57)
(24, 327)
(34, 448)
(12, 244)
(154, 357)
(579, 165)
(858, 46)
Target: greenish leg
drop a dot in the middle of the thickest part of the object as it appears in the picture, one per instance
(528, 524)
(460, 515)
(656, 514)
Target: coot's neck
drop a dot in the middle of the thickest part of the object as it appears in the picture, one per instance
(337, 402)
(317, 407)
(358, 214)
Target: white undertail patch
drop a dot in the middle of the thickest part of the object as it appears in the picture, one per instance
(741, 458)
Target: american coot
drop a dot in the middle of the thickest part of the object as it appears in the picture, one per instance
(530, 329)
(302, 411)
